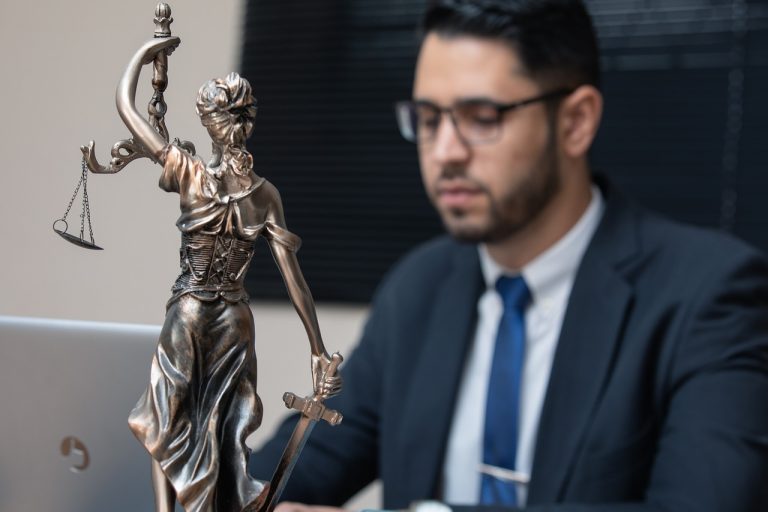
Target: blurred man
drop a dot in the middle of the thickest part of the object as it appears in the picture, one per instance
(562, 349)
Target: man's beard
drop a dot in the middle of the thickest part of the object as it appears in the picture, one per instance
(515, 211)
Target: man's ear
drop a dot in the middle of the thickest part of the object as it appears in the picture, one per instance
(578, 120)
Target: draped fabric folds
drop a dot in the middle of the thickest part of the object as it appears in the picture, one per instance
(201, 404)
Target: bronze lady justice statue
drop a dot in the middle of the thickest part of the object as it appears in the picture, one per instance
(201, 402)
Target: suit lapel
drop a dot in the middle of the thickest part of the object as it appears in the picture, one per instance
(592, 328)
(428, 411)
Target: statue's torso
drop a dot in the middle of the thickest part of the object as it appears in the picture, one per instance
(219, 231)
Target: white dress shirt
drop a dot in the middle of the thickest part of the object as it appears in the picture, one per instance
(549, 278)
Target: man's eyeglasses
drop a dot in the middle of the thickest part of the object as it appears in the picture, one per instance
(476, 120)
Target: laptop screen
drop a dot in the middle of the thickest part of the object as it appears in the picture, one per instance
(66, 388)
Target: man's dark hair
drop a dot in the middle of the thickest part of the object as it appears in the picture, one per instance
(555, 39)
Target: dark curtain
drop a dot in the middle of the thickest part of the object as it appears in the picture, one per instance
(683, 131)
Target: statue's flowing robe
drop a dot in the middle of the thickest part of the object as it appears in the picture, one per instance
(201, 402)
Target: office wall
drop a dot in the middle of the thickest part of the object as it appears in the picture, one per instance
(61, 62)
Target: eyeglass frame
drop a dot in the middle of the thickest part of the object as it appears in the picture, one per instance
(501, 110)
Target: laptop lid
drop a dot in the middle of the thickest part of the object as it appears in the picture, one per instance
(66, 388)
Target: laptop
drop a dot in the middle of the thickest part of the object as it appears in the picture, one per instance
(66, 389)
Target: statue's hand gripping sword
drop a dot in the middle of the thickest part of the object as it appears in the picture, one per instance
(312, 410)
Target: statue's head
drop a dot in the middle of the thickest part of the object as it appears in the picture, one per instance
(227, 109)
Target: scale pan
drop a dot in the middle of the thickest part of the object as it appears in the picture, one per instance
(78, 241)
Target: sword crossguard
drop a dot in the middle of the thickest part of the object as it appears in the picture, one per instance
(312, 408)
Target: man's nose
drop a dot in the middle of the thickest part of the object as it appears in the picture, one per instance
(449, 146)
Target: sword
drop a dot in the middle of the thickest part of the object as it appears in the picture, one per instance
(312, 410)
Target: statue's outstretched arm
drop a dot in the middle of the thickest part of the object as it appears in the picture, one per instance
(125, 97)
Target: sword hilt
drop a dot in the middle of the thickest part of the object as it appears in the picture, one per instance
(312, 410)
(312, 407)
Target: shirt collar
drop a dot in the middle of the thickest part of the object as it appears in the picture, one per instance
(557, 263)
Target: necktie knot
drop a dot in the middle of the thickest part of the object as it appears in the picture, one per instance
(514, 292)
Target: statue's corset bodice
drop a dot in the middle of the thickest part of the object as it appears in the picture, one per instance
(213, 266)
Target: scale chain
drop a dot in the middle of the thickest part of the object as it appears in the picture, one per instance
(85, 214)
(86, 211)
(71, 201)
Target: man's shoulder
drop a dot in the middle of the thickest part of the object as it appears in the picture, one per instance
(707, 243)
(429, 263)
(688, 252)
(434, 257)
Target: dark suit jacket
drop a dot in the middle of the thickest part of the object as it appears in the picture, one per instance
(658, 395)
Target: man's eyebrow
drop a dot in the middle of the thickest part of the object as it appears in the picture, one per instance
(460, 100)
(475, 99)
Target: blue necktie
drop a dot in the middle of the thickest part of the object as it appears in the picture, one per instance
(503, 402)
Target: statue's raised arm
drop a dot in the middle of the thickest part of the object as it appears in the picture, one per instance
(125, 97)
(150, 135)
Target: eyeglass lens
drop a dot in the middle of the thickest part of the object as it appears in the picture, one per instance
(474, 121)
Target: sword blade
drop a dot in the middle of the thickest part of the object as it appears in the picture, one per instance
(287, 462)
